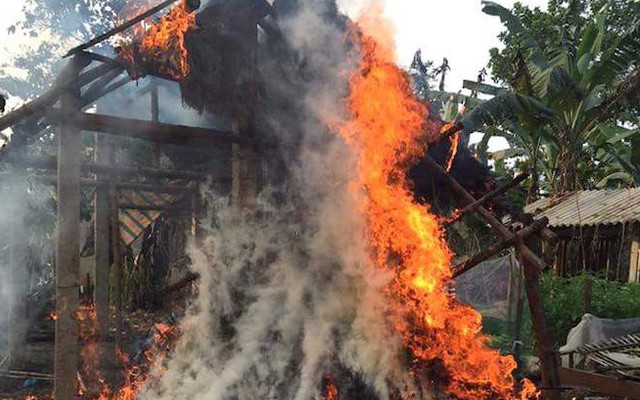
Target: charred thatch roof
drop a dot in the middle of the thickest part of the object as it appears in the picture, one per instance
(223, 58)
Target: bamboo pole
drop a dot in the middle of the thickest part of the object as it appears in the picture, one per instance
(490, 196)
(491, 251)
(496, 225)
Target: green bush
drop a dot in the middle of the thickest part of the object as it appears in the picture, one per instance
(564, 301)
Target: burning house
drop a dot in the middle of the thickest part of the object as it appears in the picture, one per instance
(327, 275)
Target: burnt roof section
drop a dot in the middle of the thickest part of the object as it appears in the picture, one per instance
(589, 207)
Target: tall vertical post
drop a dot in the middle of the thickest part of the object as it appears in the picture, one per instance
(244, 185)
(101, 234)
(155, 117)
(244, 165)
(117, 260)
(68, 245)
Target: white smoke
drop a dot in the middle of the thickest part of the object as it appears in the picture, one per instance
(287, 293)
(21, 202)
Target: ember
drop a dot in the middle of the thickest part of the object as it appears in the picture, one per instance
(330, 389)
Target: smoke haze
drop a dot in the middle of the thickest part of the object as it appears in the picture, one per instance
(287, 294)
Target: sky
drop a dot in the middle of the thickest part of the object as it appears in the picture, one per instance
(456, 29)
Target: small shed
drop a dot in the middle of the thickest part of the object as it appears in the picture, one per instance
(598, 230)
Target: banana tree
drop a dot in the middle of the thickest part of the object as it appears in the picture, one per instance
(563, 97)
(621, 150)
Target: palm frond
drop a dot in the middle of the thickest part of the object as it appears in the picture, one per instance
(513, 24)
(618, 59)
(503, 107)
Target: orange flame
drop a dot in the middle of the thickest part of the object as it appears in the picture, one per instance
(137, 377)
(330, 389)
(388, 132)
(162, 44)
(453, 149)
(529, 391)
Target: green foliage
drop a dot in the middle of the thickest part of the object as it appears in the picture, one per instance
(55, 26)
(558, 26)
(563, 301)
(573, 105)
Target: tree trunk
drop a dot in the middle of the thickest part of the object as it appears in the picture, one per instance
(567, 174)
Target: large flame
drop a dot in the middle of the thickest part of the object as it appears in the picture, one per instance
(388, 132)
(161, 45)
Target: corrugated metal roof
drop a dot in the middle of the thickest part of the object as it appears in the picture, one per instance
(589, 207)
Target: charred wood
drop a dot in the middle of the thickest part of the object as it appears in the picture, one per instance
(49, 163)
(485, 215)
(146, 130)
(490, 196)
(154, 207)
(181, 284)
(522, 234)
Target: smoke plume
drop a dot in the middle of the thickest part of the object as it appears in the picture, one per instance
(287, 295)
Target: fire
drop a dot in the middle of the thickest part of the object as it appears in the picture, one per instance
(136, 377)
(388, 132)
(529, 391)
(454, 142)
(330, 389)
(162, 44)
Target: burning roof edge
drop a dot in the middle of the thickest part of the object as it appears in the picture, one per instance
(589, 207)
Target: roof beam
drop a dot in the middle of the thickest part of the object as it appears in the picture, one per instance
(146, 130)
(50, 163)
(50, 97)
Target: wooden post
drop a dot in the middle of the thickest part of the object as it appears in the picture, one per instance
(511, 292)
(587, 295)
(244, 175)
(155, 117)
(117, 260)
(195, 212)
(68, 244)
(101, 233)
(517, 325)
(634, 253)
